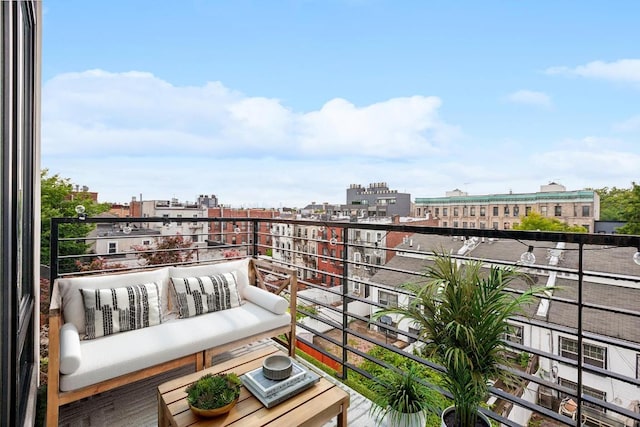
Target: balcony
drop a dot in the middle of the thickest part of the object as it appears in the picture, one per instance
(586, 336)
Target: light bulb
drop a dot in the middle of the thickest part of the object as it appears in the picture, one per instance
(80, 209)
(636, 257)
(333, 241)
(236, 230)
(126, 229)
(528, 257)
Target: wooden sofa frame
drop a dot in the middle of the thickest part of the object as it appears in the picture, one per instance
(258, 271)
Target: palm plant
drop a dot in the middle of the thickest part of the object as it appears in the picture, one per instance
(461, 313)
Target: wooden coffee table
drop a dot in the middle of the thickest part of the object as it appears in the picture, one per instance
(312, 407)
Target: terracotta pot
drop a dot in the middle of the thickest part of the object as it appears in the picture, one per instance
(213, 412)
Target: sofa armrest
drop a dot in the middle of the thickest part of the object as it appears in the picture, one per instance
(70, 353)
(55, 301)
(265, 299)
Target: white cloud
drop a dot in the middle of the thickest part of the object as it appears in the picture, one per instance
(137, 113)
(129, 133)
(623, 70)
(630, 125)
(529, 97)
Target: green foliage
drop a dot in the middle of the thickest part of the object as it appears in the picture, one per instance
(401, 393)
(631, 212)
(214, 391)
(613, 203)
(58, 200)
(268, 252)
(307, 308)
(535, 221)
(461, 313)
(523, 359)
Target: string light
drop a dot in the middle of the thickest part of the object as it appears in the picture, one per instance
(80, 210)
(528, 258)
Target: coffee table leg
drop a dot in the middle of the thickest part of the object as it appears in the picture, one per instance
(342, 417)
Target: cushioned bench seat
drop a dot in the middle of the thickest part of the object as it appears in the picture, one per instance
(167, 341)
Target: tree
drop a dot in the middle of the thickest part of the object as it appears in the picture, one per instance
(631, 212)
(614, 202)
(167, 250)
(59, 200)
(535, 221)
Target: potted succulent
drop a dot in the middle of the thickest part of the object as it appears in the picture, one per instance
(213, 395)
(403, 401)
(461, 314)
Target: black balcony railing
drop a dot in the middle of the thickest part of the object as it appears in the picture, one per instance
(586, 336)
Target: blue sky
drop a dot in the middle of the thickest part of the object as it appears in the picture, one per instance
(281, 103)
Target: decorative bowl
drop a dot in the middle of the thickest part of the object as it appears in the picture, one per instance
(213, 412)
(277, 367)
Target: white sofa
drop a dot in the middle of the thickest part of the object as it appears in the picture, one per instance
(83, 367)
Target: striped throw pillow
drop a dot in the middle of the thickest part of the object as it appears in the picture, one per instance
(113, 310)
(199, 295)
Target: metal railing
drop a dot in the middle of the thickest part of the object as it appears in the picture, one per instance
(339, 289)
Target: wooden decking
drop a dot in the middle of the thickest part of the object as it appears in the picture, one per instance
(136, 404)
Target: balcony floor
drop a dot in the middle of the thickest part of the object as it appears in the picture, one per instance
(136, 404)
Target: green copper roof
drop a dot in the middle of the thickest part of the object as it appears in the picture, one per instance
(556, 196)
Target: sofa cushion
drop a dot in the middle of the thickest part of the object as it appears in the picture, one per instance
(120, 354)
(204, 294)
(112, 310)
(73, 305)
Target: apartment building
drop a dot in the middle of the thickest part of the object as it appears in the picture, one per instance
(503, 211)
(196, 231)
(229, 233)
(376, 200)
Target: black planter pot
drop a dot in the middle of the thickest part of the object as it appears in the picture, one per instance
(448, 418)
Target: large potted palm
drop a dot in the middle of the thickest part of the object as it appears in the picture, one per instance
(461, 314)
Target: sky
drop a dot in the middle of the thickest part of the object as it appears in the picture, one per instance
(286, 102)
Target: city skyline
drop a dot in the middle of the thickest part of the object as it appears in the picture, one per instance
(269, 105)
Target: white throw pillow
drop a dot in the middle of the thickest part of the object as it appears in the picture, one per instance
(113, 310)
(205, 294)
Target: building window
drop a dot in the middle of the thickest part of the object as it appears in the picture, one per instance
(557, 211)
(586, 211)
(465, 211)
(527, 210)
(483, 211)
(483, 225)
(388, 299)
(455, 211)
(589, 391)
(516, 211)
(594, 355)
(472, 225)
(445, 211)
(146, 242)
(507, 226)
(464, 224)
(179, 222)
(473, 211)
(506, 211)
(445, 224)
(495, 211)
(113, 247)
(455, 224)
(495, 225)
(515, 334)
(437, 211)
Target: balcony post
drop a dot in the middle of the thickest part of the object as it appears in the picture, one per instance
(53, 252)
(580, 349)
(345, 299)
(255, 245)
